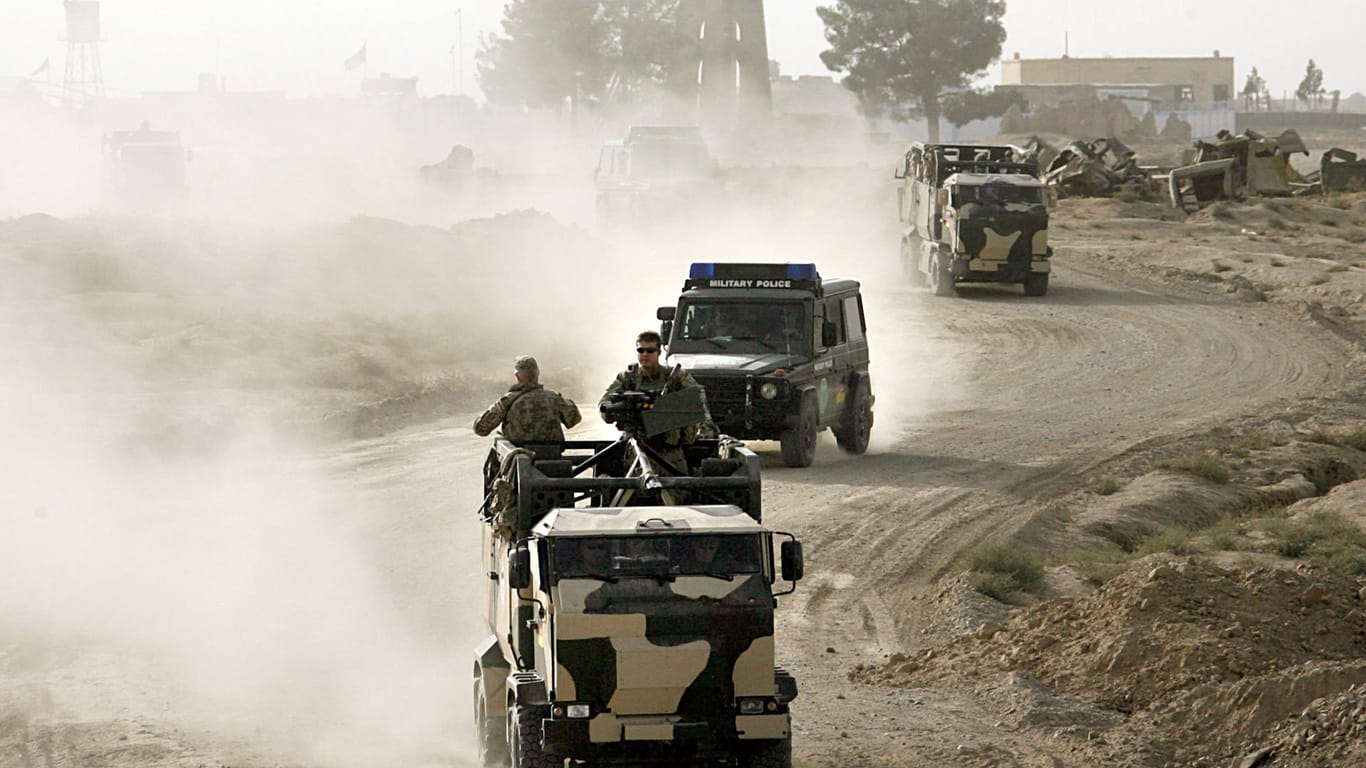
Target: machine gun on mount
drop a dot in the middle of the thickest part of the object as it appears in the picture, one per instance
(524, 482)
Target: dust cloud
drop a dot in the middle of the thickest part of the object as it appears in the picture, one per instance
(179, 517)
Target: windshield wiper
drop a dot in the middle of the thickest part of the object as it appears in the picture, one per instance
(756, 338)
(719, 575)
(710, 340)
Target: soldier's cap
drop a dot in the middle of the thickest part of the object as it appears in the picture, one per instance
(525, 364)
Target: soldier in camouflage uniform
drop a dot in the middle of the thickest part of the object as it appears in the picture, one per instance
(529, 413)
(647, 375)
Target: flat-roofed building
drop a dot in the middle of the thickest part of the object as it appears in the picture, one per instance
(1169, 83)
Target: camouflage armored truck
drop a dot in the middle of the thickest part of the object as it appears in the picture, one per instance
(630, 609)
(973, 213)
(656, 173)
(144, 171)
(781, 352)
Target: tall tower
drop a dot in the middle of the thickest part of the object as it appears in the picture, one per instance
(731, 83)
(84, 82)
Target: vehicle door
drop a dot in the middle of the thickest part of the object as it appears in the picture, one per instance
(856, 330)
(832, 360)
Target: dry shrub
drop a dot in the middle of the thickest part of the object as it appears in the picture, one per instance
(1206, 465)
(1002, 571)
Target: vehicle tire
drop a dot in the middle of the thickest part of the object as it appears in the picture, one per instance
(909, 263)
(799, 443)
(1036, 284)
(768, 754)
(490, 736)
(941, 279)
(525, 727)
(857, 421)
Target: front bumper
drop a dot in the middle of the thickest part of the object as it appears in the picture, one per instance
(739, 410)
(605, 737)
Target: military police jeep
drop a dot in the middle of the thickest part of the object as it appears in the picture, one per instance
(781, 353)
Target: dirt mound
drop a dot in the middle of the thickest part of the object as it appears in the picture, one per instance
(1182, 646)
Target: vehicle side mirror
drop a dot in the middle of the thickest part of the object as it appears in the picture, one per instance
(943, 196)
(666, 313)
(792, 563)
(666, 330)
(519, 567)
(828, 335)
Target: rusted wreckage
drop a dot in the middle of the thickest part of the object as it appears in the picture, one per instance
(1233, 166)
(1342, 171)
(1098, 168)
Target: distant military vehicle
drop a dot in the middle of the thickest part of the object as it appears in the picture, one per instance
(144, 170)
(655, 173)
(781, 353)
(973, 213)
(630, 603)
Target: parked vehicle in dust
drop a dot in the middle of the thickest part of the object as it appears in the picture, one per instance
(630, 608)
(655, 173)
(973, 213)
(781, 352)
(144, 170)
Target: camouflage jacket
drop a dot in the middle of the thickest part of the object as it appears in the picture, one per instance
(529, 413)
(633, 379)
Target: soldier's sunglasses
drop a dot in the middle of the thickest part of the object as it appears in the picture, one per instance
(647, 350)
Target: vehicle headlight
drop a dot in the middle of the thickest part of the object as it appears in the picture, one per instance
(579, 710)
(751, 706)
(768, 390)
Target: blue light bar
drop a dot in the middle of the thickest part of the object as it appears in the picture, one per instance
(706, 270)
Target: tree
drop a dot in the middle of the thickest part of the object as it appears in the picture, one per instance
(1253, 90)
(580, 51)
(1311, 87)
(899, 55)
(963, 107)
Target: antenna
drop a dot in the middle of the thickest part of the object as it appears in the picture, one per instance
(84, 81)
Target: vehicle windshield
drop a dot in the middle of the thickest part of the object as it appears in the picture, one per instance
(748, 327)
(997, 194)
(663, 159)
(666, 556)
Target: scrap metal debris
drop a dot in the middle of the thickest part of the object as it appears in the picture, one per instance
(1341, 171)
(1257, 166)
(1098, 168)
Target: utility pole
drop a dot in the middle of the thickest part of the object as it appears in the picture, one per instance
(460, 51)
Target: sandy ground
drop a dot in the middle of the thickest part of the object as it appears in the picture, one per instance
(241, 513)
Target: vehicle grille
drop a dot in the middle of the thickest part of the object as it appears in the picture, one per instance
(724, 393)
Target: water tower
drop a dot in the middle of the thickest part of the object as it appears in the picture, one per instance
(84, 82)
(731, 82)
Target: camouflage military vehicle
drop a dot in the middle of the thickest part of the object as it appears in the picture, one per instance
(144, 171)
(781, 352)
(655, 173)
(973, 213)
(630, 609)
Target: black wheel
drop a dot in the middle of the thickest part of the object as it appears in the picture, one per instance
(1036, 284)
(525, 744)
(490, 735)
(909, 263)
(799, 444)
(856, 423)
(941, 279)
(768, 754)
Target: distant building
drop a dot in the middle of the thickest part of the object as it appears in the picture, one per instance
(388, 87)
(1165, 83)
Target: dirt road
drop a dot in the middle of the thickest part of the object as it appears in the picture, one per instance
(990, 407)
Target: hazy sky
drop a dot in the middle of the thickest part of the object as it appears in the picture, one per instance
(298, 45)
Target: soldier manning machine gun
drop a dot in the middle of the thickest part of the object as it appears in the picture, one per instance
(627, 628)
